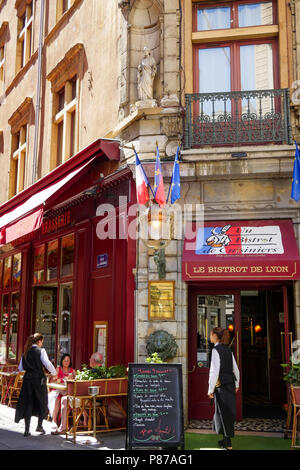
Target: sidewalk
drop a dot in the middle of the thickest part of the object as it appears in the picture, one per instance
(11, 437)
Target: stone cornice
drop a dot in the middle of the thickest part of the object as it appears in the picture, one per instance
(21, 116)
(20, 6)
(3, 31)
(69, 66)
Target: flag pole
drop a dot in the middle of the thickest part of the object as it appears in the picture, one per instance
(133, 147)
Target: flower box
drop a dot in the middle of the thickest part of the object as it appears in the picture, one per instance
(109, 387)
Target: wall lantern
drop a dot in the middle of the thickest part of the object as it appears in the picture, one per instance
(156, 229)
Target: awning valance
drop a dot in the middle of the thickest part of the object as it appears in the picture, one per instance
(253, 250)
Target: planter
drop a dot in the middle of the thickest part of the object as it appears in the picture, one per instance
(108, 387)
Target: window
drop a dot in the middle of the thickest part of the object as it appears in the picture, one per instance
(67, 255)
(62, 7)
(10, 279)
(24, 38)
(39, 264)
(65, 120)
(19, 148)
(3, 40)
(55, 258)
(65, 81)
(52, 260)
(234, 15)
(19, 132)
(64, 321)
(237, 66)
(1, 67)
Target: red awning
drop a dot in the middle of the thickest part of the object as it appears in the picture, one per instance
(23, 213)
(245, 250)
(28, 216)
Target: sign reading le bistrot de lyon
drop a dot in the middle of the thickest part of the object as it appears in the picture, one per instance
(251, 249)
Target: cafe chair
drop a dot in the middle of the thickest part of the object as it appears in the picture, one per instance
(14, 389)
(295, 393)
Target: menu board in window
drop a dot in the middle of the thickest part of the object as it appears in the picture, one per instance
(155, 406)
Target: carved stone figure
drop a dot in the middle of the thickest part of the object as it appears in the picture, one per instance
(145, 76)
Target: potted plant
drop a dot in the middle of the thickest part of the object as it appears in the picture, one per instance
(292, 376)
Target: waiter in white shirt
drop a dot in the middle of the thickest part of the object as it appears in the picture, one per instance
(33, 399)
(223, 384)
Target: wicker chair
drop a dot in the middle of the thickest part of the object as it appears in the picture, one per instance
(14, 389)
(295, 392)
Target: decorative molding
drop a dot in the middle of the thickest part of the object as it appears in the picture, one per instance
(3, 32)
(21, 116)
(20, 6)
(69, 66)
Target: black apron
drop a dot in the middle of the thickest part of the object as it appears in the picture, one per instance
(225, 410)
(224, 394)
(33, 399)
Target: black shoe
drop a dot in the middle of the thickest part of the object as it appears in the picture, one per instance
(221, 444)
(41, 430)
(26, 434)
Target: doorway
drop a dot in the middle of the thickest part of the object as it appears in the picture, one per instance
(262, 329)
(52, 317)
(259, 324)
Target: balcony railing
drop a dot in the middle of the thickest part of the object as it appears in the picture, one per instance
(237, 118)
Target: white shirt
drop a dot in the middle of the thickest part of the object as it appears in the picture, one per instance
(45, 361)
(215, 370)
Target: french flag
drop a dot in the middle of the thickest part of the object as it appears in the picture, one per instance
(159, 182)
(142, 182)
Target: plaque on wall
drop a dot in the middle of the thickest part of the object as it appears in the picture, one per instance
(161, 300)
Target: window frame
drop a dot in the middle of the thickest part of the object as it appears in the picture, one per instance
(235, 70)
(65, 117)
(233, 5)
(18, 159)
(24, 36)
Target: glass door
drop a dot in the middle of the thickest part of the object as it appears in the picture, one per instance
(45, 301)
(64, 321)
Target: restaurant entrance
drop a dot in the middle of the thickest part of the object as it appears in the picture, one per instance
(52, 311)
(262, 332)
(257, 321)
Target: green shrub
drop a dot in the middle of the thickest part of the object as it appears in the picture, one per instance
(101, 372)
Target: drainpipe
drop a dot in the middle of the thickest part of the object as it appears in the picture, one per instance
(38, 94)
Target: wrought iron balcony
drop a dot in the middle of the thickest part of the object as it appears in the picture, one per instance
(237, 118)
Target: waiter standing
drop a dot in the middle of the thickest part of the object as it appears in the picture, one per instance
(33, 399)
(224, 380)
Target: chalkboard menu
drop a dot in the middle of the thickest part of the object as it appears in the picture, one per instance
(155, 407)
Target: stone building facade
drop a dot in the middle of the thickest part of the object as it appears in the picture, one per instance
(47, 115)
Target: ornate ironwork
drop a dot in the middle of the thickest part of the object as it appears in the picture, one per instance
(237, 117)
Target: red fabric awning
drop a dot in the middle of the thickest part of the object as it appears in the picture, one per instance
(28, 216)
(253, 250)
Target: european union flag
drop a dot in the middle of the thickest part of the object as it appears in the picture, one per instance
(295, 194)
(175, 183)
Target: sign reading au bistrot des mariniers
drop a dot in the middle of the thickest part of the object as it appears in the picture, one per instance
(155, 406)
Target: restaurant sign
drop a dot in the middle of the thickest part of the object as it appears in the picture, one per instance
(56, 223)
(244, 250)
(239, 240)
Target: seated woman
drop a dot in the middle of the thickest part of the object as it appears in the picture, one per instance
(64, 371)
